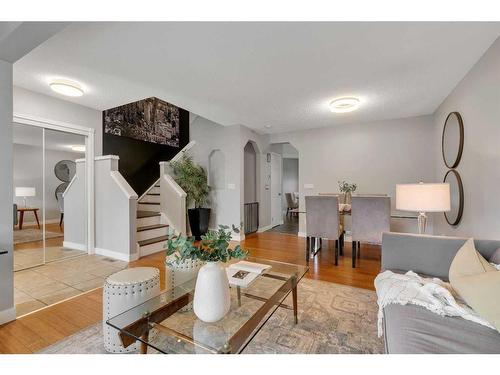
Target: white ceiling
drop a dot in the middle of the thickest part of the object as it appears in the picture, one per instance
(257, 74)
(54, 140)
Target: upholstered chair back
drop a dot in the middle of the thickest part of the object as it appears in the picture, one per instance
(371, 216)
(322, 217)
(60, 202)
(290, 202)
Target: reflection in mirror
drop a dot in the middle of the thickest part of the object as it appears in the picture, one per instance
(453, 140)
(454, 216)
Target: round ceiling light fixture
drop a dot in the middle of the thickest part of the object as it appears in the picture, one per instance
(345, 104)
(66, 88)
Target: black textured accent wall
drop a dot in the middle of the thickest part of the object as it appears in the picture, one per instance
(139, 160)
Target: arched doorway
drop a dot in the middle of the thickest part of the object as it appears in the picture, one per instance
(250, 188)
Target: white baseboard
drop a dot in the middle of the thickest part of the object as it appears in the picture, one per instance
(238, 237)
(263, 229)
(145, 250)
(301, 234)
(8, 315)
(116, 255)
(75, 246)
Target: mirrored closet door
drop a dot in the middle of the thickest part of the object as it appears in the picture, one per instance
(49, 208)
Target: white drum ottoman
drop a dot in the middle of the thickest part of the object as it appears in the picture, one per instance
(122, 291)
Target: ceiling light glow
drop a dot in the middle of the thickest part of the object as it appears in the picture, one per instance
(78, 148)
(66, 88)
(344, 105)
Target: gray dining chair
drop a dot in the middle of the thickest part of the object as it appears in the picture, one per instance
(60, 203)
(291, 204)
(323, 221)
(371, 216)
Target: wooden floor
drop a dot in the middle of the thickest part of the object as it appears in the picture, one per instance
(33, 332)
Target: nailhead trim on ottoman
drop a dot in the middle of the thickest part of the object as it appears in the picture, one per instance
(122, 291)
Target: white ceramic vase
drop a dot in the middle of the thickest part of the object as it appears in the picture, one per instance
(212, 298)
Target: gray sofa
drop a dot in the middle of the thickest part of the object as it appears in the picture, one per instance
(413, 329)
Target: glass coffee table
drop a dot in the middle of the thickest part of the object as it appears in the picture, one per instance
(167, 324)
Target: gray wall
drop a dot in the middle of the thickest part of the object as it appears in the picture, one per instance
(227, 202)
(30, 103)
(28, 171)
(209, 136)
(376, 156)
(290, 178)
(7, 311)
(477, 98)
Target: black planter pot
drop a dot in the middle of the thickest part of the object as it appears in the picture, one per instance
(198, 221)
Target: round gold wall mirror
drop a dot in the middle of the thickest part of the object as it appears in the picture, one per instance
(454, 216)
(452, 141)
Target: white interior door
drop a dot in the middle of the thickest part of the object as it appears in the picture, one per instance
(276, 189)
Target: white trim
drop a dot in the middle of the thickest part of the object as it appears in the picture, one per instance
(148, 189)
(123, 185)
(116, 255)
(107, 157)
(74, 246)
(186, 148)
(301, 234)
(263, 229)
(238, 237)
(8, 315)
(51, 124)
(178, 190)
(150, 249)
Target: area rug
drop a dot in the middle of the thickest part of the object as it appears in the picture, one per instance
(32, 235)
(333, 319)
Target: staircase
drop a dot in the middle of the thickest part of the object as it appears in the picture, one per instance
(152, 231)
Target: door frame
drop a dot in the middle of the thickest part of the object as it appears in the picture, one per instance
(273, 155)
(89, 134)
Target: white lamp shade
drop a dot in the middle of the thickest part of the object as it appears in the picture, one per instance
(25, 192)
(423, 197)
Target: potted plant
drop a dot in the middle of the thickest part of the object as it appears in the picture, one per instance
(211, 296)
(192, 178)
(347, 189)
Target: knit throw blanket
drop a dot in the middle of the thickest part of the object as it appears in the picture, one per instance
(432, 294)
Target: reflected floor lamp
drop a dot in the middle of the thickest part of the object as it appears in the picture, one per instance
(423, 198)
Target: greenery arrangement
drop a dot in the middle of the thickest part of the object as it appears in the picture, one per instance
(213, 247)
(192, 178)
(346, 187)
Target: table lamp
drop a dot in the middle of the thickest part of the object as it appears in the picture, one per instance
(25, 192)
(423, 198)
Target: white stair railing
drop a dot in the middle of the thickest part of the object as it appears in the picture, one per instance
(173, 197)
(115, 211)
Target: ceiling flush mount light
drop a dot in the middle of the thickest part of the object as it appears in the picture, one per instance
(267, 126)
(78, 148)
(65, 87)
(344, 105)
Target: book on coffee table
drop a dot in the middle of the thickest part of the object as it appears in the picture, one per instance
(243, 273)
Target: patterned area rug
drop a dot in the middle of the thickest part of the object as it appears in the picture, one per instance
(333, 319)
(32, 235)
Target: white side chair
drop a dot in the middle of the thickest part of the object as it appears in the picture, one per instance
(122, 291)
(179, 273)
